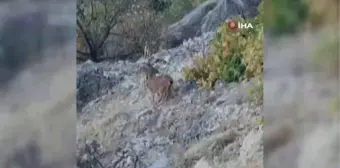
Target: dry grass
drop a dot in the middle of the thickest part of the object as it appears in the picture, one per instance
(206, 148)
(105, 131)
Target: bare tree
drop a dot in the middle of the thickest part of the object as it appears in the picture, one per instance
(95, 21)
(120, 28)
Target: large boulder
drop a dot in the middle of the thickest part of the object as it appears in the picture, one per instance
(188, 26)
(206, 18)
(228, 8)
(95, 80)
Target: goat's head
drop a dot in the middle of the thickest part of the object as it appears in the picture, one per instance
(148, 70)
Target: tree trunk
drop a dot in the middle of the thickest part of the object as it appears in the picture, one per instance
(94, 56)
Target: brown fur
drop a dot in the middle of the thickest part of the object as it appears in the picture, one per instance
(160, 86)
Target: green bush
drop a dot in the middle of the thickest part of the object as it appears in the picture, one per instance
(236, 55)
(254, 60)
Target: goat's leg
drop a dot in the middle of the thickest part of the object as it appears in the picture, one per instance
(159, 100)
(169, 93)
(153, 99)
(165, 96)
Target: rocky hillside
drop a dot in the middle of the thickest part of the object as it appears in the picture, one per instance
(116, 120)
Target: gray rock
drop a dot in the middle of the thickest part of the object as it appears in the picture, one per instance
(226, 9)
(188, 26)
(206, 18)
(95, 80)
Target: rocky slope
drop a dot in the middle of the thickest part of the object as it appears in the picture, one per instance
(217, 127)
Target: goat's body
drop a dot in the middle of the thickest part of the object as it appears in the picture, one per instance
(159, 86)
(168, 91)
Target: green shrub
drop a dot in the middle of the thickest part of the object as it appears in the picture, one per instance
(254, 60)
(236, 55)
(203, 71)
(253, 48)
